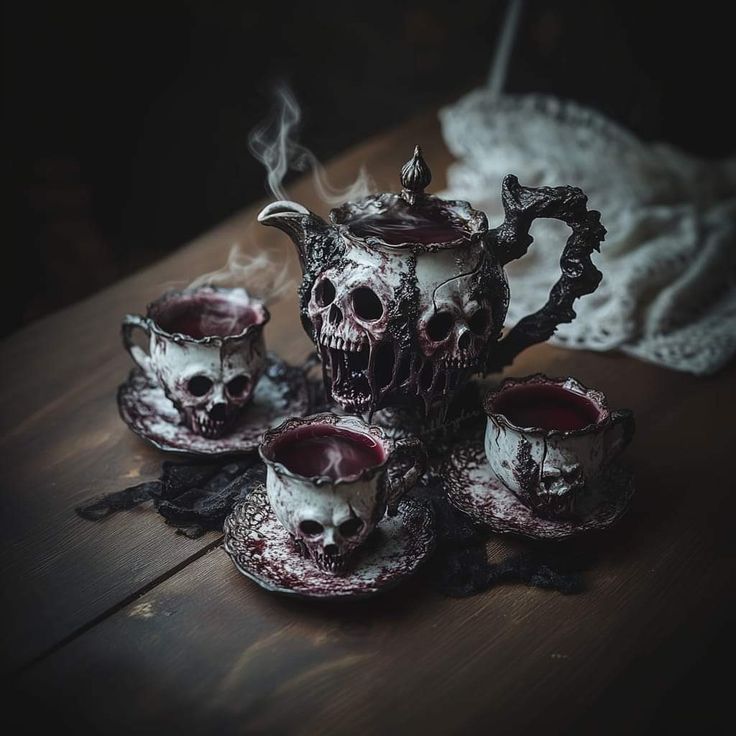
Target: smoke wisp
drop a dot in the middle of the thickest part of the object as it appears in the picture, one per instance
(275, 144)
(264, 276)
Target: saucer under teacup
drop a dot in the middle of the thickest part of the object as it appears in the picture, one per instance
(265, 552)
(144, 407)
(473, 488)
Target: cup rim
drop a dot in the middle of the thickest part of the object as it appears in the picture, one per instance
(567, 383)
(352, 422)
(256, 304)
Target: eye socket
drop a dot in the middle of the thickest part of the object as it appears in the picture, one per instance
(199, 385)
(350, 527)
(440, 326)
(479, 322)
(324, 293)
(311, 528)
(366, 304)
(237, 386)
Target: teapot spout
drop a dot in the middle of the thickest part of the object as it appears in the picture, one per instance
(301, 225)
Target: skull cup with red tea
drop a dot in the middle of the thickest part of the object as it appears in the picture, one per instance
(206, 350)
(331, 478)
(548, 439)
(405, 294)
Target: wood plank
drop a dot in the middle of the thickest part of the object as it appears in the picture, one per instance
(208, 652)
(62, 441)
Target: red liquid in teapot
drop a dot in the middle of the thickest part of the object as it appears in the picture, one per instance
(398, 228)
(546, 407)
(327, 450)
(205, 315)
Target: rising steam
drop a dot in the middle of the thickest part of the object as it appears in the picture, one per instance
(262, 275)
(274, 143)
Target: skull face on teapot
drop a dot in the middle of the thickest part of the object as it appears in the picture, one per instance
(405, 294)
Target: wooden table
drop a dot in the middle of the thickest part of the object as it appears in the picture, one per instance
(125, 627)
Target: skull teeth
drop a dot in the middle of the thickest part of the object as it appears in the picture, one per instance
(209, 427)
(339, 343)
(329, 563)
(360, 379)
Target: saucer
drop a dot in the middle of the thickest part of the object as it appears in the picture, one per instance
(265, 552)
(144, 407)
(473, 488)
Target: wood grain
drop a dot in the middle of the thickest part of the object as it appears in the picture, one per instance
(202, 650)
(209, 652)
(62, 441)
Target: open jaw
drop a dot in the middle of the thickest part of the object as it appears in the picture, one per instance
(360, 377)
(208, 427)
(330, 563)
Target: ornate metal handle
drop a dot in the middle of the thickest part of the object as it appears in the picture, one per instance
(399, 481)
(130, 323)
(523, 205)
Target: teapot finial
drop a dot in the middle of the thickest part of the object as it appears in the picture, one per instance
(415, 176)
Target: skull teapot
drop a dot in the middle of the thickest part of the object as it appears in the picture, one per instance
(405, 295)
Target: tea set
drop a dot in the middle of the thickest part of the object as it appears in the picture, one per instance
(405, 297)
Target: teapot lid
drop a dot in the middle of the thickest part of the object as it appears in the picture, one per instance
(411, 219)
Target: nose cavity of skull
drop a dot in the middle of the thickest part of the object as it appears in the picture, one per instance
(199, 385)
(465, 340)
(335, 315)
(218, 413)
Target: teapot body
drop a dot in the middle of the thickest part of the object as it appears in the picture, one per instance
(405, 296)
(398, 324)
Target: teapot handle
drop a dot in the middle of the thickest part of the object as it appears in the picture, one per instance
(522, 205)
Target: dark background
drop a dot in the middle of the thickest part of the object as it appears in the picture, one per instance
(128, 123)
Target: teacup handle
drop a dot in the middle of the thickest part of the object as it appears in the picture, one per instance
(523, 205)
(620, 432)
(409, 449)
(137, 353)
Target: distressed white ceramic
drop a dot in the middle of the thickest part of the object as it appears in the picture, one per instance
(549, 469)
(209, 378)
(330, 518)
(405, 295)
(264, 551)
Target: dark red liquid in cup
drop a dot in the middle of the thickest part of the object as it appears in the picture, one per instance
(205, 315)
(324, 450)
(546, 407)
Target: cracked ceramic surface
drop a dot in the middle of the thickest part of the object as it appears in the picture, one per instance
(473, 488)
(146, 409)
(549, 469)
(265, 552)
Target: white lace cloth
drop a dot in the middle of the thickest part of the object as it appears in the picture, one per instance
(668, 293)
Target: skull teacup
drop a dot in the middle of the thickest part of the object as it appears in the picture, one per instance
(547, 439)
(331, 478)
(206, 350)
